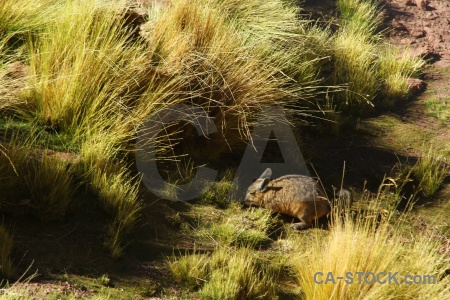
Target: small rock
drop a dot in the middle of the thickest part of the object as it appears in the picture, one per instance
(133, 19)
(409, 3)
(423, 52)
(415, 86)
(397, 25)
(417, 33)
(427, 30)
(25, 202)
(406, 41)
(17, 70)
(432, 16)
(422, 4)
(437, 45)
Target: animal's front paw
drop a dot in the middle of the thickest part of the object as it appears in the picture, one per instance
(294, 226)
(300, 226)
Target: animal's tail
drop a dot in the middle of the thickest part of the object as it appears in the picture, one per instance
(344, 198)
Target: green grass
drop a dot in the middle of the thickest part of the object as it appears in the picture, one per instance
(226, 273)
(76, 88)
(236, 227)
(396, 67)
(361, 16)
(91, 85)
(218, 193)
(356, 65)
(19, 20)
(97, 85)
(376, 74)
(375, 240)
(430, 170)
(35, 182)
(371, 237)
(439, 108)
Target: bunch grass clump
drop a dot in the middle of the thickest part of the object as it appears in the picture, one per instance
(90, 79)
(35, 182)
(227, 273)
(118, 193)
(81, 89)
(50, 187)
(355, 64)
(242, 55)
(361, 16)
(430, 170)
(374, 73)
(219, 192)
(396, 68)
(18, 21)
(374, 240)
(251, 228)
(9, 178)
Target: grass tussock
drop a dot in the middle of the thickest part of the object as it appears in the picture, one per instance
(396, 67)
(238, 66)
(35, 182)
(50, 187)
(374, 73)
(355, 55)
(249, 228)
(373, 241)
(18, 21)
(6, 247)
(76, 89)
(355, 64)
(218, 193)
(116, 189)
(89, 93)
(430, 170)
(11, 86)
(227, 273)
(361, 16)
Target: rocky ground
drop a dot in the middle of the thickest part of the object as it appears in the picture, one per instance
(423, 27)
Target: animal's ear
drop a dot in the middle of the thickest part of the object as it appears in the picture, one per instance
(262, 186)
(266, 174)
